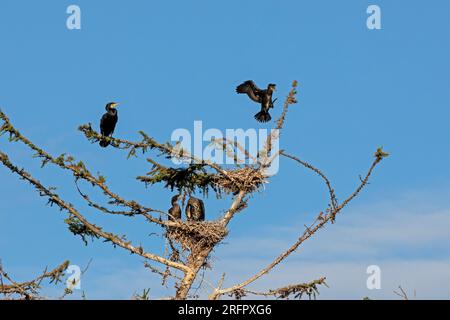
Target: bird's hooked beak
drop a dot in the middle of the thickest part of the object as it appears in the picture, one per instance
(114, 105)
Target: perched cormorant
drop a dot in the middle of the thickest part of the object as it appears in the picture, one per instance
(108, 122)
(175, 211)
(195, 210)
(262, 96)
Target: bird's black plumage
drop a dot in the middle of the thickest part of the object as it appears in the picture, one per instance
(261, 96)
(108, 123)
(195, 210)
(175, 210)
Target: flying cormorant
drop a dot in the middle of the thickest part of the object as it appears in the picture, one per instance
(195, 210)
(175, 211)
(108, 122)
(262, 96)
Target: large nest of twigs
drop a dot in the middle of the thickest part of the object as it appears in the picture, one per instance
(246, 179)
(195, 236)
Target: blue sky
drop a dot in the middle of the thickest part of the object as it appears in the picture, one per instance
(170, 63)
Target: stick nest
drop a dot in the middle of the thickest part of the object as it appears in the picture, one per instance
(245, 179)
(195, 236)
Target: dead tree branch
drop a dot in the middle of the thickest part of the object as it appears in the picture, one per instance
(333, 199)
(296, 291)
(29, 290)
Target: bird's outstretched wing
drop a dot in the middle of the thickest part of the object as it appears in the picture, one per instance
(250, 88)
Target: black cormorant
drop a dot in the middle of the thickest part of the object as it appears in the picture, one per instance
(108, 122)
(195, 210)
(175, 211)
(262, 96)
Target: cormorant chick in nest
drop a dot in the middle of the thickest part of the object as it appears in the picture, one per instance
(108, 122)
(262, 96)
(195, 210)
(175, 210)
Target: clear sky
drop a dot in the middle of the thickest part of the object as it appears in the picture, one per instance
(170, 63)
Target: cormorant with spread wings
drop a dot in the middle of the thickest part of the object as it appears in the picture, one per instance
(261, 96)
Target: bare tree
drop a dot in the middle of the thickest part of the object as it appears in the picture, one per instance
(190, 243)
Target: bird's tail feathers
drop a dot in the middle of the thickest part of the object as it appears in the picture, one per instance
(263, 116)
